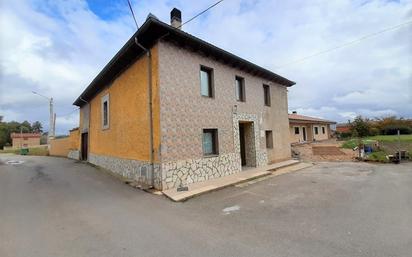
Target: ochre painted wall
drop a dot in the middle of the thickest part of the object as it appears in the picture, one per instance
(128, 134)
(74, 139)
(60, 147)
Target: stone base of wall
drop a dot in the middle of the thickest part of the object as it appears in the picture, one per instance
(173, 174)
(74, 154)
(189, 171)
(261, 158)
(138, 171)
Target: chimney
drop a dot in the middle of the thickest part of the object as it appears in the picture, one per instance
(176, 18)
(295, 112)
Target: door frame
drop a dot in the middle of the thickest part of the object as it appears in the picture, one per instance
(84, 148)
(304, 134)
(242, 144)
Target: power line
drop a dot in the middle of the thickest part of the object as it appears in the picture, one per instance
(202, 12)
(67, 114)
(134, 18)
(345, 44)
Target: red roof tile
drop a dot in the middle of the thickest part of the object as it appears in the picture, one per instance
(298, 117)
(18, 135)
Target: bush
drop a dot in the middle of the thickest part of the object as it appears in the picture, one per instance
(393, 130)
(374, 131)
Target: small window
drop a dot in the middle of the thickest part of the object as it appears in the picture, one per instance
(316, 130)
(323, 130)
(206, 81)
(269, 139)
(210, 142)
(266, 94)
(296, 130)
(240, 89)
(105, 112)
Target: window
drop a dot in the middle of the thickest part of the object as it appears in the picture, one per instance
(269, 139)
(240, 89)
(296, 130)
(105, 111)
(323, 130)
(210, 142)
(316, 130)
(206, 84)
(266, 94)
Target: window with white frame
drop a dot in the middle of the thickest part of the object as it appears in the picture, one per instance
(323, 130)
(296, 130)
(105, 108)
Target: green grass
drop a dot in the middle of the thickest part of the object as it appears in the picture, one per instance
(392, 138)
(352, 143)
(388, 145)
(379, 156)
(40, 151)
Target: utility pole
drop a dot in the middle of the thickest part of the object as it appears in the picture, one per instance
(51, 118)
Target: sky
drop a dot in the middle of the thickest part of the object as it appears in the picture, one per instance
(56, 48)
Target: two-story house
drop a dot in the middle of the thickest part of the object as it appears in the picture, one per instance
(171, 109)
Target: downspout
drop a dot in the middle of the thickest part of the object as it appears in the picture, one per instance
(150, 103)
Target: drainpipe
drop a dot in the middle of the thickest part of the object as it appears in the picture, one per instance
(149, 86)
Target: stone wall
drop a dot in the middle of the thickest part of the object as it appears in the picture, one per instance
(129, 169)
(189, 171)
(184, 112)
(74, 154)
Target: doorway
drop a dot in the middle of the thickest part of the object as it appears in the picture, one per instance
(84, 148)
(242, 144)
(304, 133)
(247, 144)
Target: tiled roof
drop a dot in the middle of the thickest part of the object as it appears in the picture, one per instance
(298, 117)
(18, 135)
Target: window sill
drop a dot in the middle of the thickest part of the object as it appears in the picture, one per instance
(210, 155)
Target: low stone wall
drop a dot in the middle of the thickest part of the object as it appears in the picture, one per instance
(196, 170)
(74, 154)
(129, 169)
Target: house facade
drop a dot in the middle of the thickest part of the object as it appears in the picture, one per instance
(170, 110)
(25, 140)
(308, 129)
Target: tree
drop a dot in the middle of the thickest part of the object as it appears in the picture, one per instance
(360, 127)
(37, 127)
(25, 126)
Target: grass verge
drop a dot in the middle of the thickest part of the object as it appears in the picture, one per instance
(40, 151)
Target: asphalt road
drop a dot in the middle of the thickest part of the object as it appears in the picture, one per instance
(59, 207)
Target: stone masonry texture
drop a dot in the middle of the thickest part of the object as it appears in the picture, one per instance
(184, 113)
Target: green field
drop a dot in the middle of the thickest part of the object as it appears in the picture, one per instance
(392, 138)
(41, 151)
(389, 144)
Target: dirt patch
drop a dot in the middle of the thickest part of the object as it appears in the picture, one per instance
(328, 150)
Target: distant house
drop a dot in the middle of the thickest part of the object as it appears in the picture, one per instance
(171, 109)
(28, 140)
(343, 127)
(308, 129)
